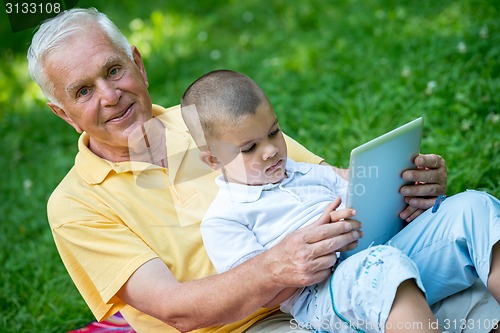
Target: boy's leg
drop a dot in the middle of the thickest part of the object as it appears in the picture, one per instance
(410, 311)
(453, 247)
(494, 277)
(376, 290)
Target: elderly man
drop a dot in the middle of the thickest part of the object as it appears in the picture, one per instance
(127, 228)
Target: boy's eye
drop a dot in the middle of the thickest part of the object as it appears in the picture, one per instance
(248, 150)
(273, 133)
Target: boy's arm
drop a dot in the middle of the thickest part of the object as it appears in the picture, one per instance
(330, 215)
(228, 243)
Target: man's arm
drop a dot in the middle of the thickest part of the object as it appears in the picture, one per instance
(302, 258)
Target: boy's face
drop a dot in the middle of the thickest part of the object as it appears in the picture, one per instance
(252, 151)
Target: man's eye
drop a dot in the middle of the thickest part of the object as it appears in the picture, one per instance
(83, 92)
(248, 150)
(115, 71)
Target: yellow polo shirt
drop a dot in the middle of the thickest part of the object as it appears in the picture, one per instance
(110, 218)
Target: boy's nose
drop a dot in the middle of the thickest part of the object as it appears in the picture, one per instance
(269, 152)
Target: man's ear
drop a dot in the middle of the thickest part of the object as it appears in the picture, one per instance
(62, 114)
(140, 64)
(209, 159)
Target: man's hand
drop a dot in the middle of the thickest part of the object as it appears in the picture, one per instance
(306, 256)
(429, 180)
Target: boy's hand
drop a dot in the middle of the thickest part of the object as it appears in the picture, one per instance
(343, 216)
(429, 178)
(306, 255)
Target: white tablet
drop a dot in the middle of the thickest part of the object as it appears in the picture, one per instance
(375, 170)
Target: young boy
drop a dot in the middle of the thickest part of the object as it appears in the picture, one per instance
(264, 196)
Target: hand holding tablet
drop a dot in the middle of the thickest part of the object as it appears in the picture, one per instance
(375, 170)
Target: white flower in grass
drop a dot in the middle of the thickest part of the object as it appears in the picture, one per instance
(462, 47)
(466, 124)
(431, 85)
(483, 33)
(493, 117)
(27, 185)
(406, 71)
(460, 97)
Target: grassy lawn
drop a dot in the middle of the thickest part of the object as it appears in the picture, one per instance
(338, 73)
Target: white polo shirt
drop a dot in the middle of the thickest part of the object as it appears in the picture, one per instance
(244, 220)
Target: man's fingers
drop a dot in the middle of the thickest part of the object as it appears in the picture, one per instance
(416, 204)
(430, 169)
(349, 247)
(431, 161)
(313, 234)
(410, 213)
(426, 190)
(422, 203)
(422, 175)
(332, 238)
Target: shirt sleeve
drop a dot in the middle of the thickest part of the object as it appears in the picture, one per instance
(91, 246)
(228, 242)
(336, 183)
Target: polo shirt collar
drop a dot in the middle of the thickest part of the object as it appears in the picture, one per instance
(251, 193)
(94, 169)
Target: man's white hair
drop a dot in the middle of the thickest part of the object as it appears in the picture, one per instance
(54, 32)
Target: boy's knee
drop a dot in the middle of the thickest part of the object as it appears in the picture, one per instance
(391, 258)
(396, 257)
(469, 206)
(472, 200)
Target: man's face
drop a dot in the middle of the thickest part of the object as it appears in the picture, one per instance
(253, 151)
(101, 91)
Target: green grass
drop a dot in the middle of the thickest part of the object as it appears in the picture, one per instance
(338, 73)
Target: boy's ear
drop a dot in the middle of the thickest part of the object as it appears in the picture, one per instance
(62, 114)
(209, 159)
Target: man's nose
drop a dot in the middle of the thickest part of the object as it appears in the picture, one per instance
(109, 93)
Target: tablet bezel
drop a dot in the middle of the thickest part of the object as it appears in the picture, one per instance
(375, 170)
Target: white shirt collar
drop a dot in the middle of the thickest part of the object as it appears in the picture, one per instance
(250, 193)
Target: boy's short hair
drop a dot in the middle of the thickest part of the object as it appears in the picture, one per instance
(216, 98)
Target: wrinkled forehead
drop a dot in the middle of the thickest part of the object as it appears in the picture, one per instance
(79, 39)
(81, 57)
